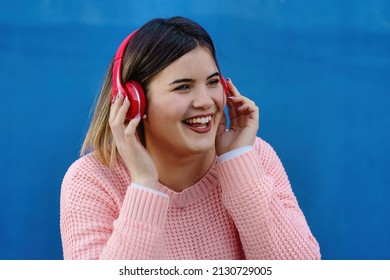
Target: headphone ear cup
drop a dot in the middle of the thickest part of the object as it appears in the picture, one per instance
(136, 96)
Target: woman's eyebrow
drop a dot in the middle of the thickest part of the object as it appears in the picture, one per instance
(187, 80)
(212, 75)
(178, 81)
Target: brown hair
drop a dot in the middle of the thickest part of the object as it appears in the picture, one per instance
(156, 45)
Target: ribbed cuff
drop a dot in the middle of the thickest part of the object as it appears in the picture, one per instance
(240, 171)
(145, 206)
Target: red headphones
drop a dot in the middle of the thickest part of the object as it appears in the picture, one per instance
(133, 89)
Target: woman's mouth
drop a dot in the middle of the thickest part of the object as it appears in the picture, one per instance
(201, 124)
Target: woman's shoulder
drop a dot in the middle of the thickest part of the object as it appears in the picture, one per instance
(266, 152)
(89, 168)
(90, 185)
(87, 164)
(262, 146)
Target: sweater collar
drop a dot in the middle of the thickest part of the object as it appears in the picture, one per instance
(194, 193)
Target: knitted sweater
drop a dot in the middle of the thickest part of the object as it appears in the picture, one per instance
(243, 208)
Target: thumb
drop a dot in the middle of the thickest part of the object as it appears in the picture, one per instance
(132, 126)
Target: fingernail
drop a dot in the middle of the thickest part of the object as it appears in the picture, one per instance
(228, 79)
(119, 94)
(126, 100)
(114, 98)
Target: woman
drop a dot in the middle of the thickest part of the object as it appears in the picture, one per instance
(176, 182)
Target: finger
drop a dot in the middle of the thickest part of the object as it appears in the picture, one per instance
(121, 115)
(251, 111)
(232, 109)
(246, 107)
(242, 102)
(232, 88)
(236, 100)
(131, 128)
(115, 105)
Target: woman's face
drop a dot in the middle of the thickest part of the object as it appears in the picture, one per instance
(184, 105)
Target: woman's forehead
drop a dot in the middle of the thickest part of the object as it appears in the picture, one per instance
(198, 62)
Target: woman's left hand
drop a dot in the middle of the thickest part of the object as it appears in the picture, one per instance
(244, 123)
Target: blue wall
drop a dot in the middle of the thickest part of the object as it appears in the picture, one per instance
(319, 70)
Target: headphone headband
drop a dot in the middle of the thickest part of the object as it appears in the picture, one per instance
(117, 68)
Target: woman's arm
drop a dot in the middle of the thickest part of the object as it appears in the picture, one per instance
(94, 226)
(258, 196)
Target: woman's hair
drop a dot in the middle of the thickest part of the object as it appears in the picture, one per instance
(156, 45)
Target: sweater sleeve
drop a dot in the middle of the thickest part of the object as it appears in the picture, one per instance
(94, 226)
(257, 194)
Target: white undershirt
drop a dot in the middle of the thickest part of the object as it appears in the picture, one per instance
(235, 153)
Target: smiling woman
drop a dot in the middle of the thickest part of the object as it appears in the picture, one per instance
(174, 182)
(184, 135)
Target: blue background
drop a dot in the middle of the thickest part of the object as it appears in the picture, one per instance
(319, 70)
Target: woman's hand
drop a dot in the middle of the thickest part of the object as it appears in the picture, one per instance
(244, 123)
(138, 161)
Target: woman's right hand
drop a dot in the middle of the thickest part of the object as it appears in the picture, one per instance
(136, 157)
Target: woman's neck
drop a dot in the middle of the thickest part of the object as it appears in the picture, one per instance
(181, 172)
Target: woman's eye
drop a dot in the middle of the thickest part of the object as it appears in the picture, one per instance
(183, 87)
(214, 82)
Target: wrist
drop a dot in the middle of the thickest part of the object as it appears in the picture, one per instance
(146, 188)
(234, 153)
(147, 183)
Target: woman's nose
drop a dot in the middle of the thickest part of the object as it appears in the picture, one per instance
(202, 98)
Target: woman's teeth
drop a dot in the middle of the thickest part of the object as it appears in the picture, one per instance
(202, 120)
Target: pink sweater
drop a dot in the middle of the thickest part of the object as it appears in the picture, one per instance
(243, 208)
